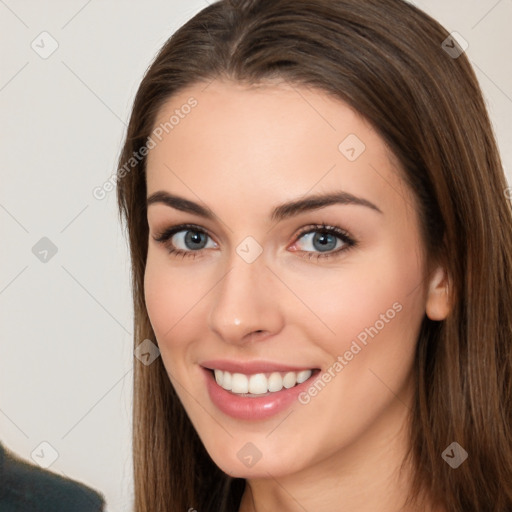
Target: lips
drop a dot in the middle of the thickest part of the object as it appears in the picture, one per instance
(244, 405)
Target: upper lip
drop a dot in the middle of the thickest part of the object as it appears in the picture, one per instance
(251, 367)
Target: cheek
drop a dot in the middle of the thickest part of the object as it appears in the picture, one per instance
(371, 298)
(375, 309)
(168, 301)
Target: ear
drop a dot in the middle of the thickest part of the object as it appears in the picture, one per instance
(438, 304)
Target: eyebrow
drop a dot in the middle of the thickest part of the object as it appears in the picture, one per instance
(279, 213)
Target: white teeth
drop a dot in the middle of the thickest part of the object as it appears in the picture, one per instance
(259, 383)
(303, 376)
(290, 379)
(226, 382)
(275, 382)
(239, 383)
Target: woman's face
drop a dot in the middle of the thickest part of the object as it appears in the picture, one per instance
(265, 293)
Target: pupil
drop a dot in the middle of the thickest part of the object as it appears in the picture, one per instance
(194, 237)
(325, 244)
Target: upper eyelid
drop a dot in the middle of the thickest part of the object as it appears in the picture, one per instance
(179, 228)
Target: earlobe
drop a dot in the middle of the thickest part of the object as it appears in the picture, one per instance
(438, 303)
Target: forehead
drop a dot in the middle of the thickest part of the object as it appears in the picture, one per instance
(271, 140)
(276, 114)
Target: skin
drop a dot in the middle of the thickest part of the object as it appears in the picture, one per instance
(241, 151)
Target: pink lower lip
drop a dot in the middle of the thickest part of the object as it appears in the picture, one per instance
(252, 408)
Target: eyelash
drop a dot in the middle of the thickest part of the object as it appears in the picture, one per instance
(349, 242)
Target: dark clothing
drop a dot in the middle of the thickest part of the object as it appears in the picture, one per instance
(28, 488)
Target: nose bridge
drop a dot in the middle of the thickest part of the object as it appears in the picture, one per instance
(244, 302)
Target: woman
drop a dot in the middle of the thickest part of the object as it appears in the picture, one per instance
(321, 249)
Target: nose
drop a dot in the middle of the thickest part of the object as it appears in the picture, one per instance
(245, 303)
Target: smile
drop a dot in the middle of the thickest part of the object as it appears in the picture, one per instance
(255, 396)
(259, 383)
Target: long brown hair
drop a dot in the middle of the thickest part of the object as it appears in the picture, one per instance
(385, 58)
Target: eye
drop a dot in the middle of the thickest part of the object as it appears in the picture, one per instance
(329, 241)
(189, 240)
(184, 240)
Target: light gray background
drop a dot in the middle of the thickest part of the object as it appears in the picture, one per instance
(66, 356)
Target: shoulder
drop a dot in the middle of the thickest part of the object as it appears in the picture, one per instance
(26, 487)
